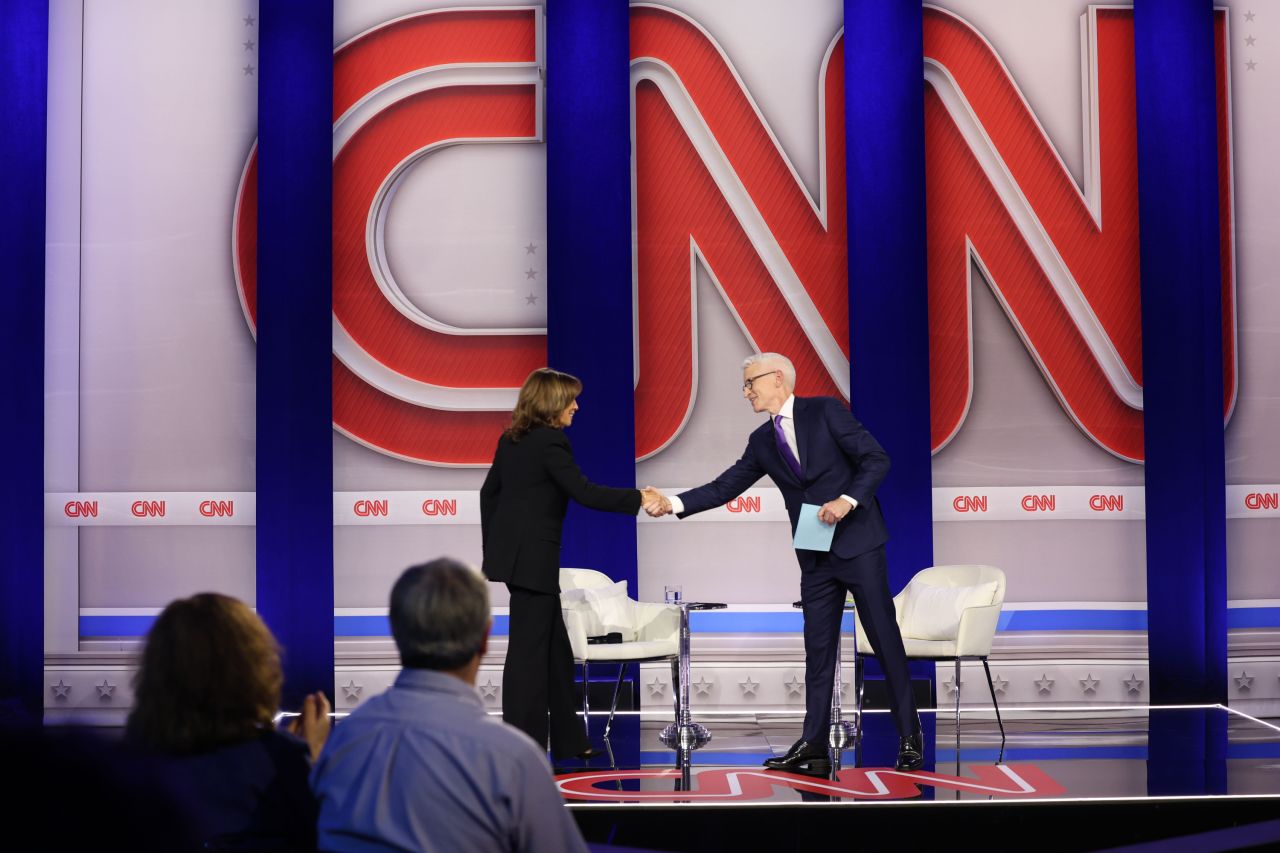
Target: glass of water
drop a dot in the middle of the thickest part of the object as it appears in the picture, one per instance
(672, 593)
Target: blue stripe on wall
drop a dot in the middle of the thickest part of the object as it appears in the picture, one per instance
(295, 328)
(1011, 621)
(1181, 349)
(1253, 617)
(1072, 620)
(24, 83)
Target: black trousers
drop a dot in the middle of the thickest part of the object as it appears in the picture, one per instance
(537, 678)
(823, 589)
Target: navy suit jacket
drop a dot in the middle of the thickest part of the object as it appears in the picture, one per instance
(523, 502)
(838, 457)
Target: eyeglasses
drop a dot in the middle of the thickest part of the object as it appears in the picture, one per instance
(746, 386)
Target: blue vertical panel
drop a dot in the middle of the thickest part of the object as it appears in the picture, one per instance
(1181, 350)
(888, 283)
(1187, 752)
(24, 83)
(589, 260)
(294, 394)
(888, 280)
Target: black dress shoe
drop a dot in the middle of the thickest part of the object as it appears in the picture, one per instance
(803, 757)
(911, 752)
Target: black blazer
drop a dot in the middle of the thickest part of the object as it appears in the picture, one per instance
(522, 506)
(838, 457)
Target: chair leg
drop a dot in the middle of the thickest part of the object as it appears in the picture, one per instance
(613, 709)
(992, 687)
(586, 698)
(957, 709)
(858, 679)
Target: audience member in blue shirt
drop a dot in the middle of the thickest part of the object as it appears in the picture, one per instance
(422, 766)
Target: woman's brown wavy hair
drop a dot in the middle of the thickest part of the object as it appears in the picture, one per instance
(543, 398)
(210, 676)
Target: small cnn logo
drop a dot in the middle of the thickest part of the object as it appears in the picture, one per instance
(750, 503)
(1262, 500)
(1039, 503)
(368, 508)
(969, 503)
(1106, 503)
(147, 509)
(217, 509)
(434, 507)
(80, 509)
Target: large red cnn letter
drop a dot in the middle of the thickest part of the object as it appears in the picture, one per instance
(391, 365)
(711, 183)
(1063, 263)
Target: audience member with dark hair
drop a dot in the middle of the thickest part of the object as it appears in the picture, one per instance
(206, 694)
(422, 766)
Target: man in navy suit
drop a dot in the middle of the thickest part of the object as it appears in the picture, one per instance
(816, 452)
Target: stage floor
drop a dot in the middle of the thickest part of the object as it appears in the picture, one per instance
(1132, 753)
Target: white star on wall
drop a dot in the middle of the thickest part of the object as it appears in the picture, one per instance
(489, 690)
(1044, 683)
(1244, 681)
(749, 686)
(352, 690)
(952, 685)
(1089, 684)
(702, 686)
(61, 690)
(795, 686)
(1133, 683)
(105, 690)
(656, 686)
(999, 684)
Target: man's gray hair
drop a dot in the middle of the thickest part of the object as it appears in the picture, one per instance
(439, 614)
(776, 361)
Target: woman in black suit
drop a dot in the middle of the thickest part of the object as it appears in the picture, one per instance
(522, 506)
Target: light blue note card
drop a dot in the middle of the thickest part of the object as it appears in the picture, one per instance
(812, 534)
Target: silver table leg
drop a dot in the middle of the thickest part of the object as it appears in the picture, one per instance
(842, 732)
(683, 733)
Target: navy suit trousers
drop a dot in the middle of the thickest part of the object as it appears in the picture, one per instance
(822, 590)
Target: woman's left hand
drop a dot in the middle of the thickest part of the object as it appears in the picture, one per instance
(313, 724)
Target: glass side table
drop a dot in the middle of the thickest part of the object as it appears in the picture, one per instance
(684, 733)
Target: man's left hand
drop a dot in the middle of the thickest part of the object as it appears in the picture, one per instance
(833, 511)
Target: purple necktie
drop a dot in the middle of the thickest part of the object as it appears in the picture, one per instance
(785, 449)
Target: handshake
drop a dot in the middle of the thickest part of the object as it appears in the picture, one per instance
(654, 502)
